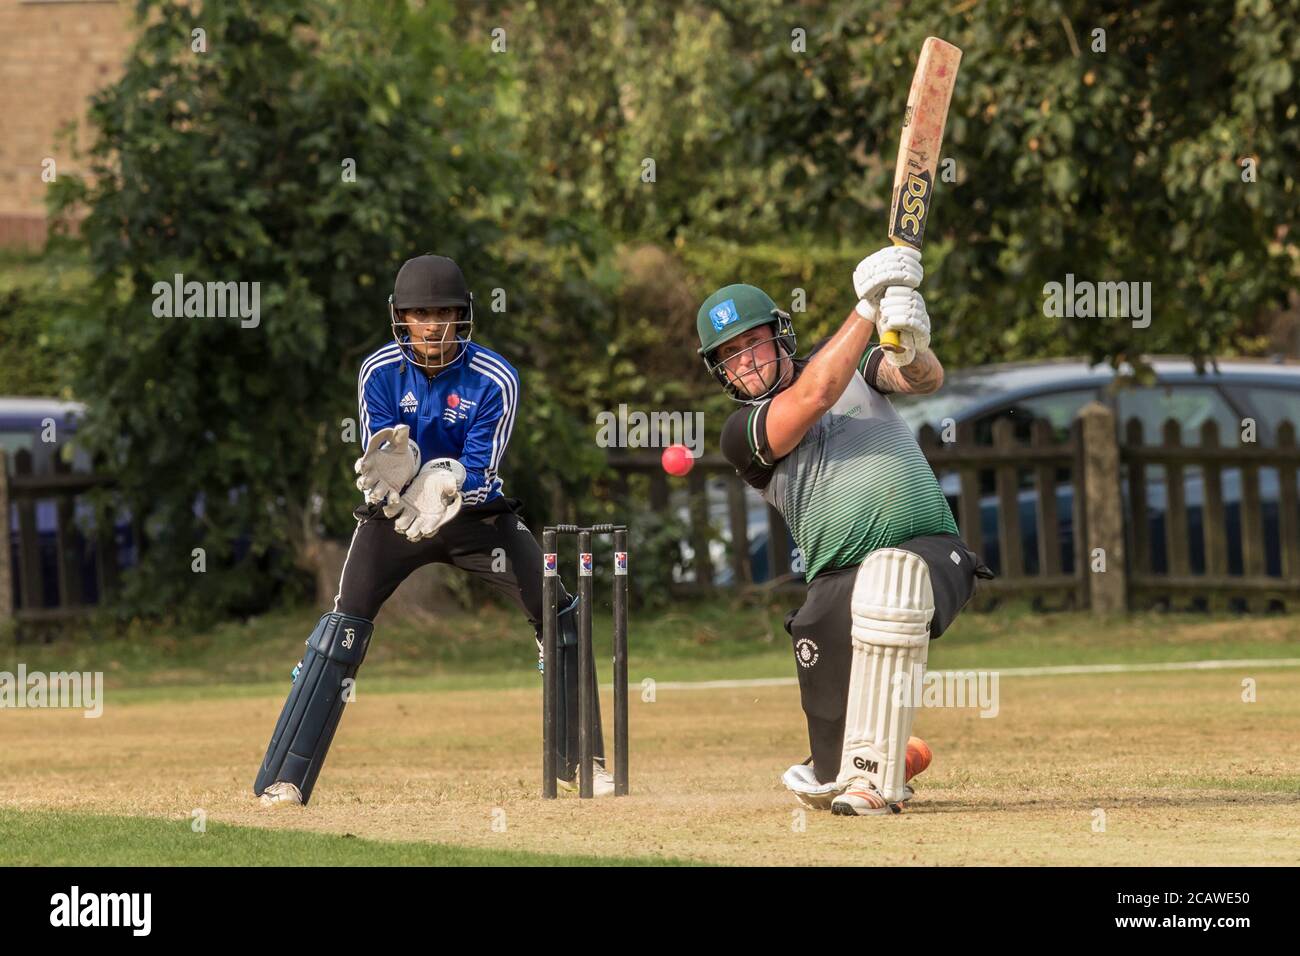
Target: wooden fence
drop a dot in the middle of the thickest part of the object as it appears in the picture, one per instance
(1058, 579)
(1087, 496)
(1088, 543)
(1002, 462)
(1175, 585)
(50, 569)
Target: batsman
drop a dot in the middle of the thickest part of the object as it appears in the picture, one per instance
(886, 569)
(436, 411)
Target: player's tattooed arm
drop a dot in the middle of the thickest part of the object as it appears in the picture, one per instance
(921, 376)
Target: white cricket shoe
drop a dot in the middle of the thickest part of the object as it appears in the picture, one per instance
(281, 794)
(862, 799)
(602, 782)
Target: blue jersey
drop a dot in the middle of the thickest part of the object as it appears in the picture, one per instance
(466, 411)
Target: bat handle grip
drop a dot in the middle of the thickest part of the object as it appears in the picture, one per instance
(889, 341)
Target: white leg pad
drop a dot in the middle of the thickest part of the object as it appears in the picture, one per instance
(892, 605)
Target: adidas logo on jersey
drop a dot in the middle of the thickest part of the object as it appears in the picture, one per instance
(409, 404)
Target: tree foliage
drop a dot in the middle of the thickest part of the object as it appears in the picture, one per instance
(605, 168)
(227, 165)
(1122, 164)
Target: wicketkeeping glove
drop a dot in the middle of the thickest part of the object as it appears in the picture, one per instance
(390, 462)
(431, 500)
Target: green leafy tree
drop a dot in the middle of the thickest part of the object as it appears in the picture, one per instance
(777, 124)
(773, 130)
(227, 164)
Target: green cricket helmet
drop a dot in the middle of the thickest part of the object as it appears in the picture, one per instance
(732, 311)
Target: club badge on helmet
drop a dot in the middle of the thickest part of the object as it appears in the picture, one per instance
(431, 282)
(732, 311)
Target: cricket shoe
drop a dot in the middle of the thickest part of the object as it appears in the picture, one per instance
(861, 799)
(281, 794)
(602, 783)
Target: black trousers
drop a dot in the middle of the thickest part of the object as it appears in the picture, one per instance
(490, 541)
(823, 639)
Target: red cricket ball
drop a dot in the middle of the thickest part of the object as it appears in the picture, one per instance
(677, 460)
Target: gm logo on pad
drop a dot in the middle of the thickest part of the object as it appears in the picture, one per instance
(723, 314)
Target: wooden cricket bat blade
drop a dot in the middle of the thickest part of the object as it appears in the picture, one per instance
(919, 147)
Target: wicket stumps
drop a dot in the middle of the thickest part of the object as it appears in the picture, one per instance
(588, 702)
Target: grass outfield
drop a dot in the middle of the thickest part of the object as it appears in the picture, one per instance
(438, 759)
(493, 648)
(45, 838)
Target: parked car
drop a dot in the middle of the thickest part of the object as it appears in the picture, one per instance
(22, 421)
(1265, 391)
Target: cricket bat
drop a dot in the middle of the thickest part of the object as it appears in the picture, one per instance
(918, 150)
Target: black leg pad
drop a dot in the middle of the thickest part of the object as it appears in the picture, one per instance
(310, 716)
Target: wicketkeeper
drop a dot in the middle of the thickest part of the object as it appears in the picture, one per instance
(886, 570)
(436, 412)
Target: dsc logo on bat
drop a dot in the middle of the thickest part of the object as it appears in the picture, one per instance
(912, 208)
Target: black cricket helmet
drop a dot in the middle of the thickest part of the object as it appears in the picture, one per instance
(431, 282)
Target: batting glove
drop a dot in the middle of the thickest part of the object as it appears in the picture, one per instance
(902, 310)
(891, 266)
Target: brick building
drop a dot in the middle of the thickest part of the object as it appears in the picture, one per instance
(53, 55)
